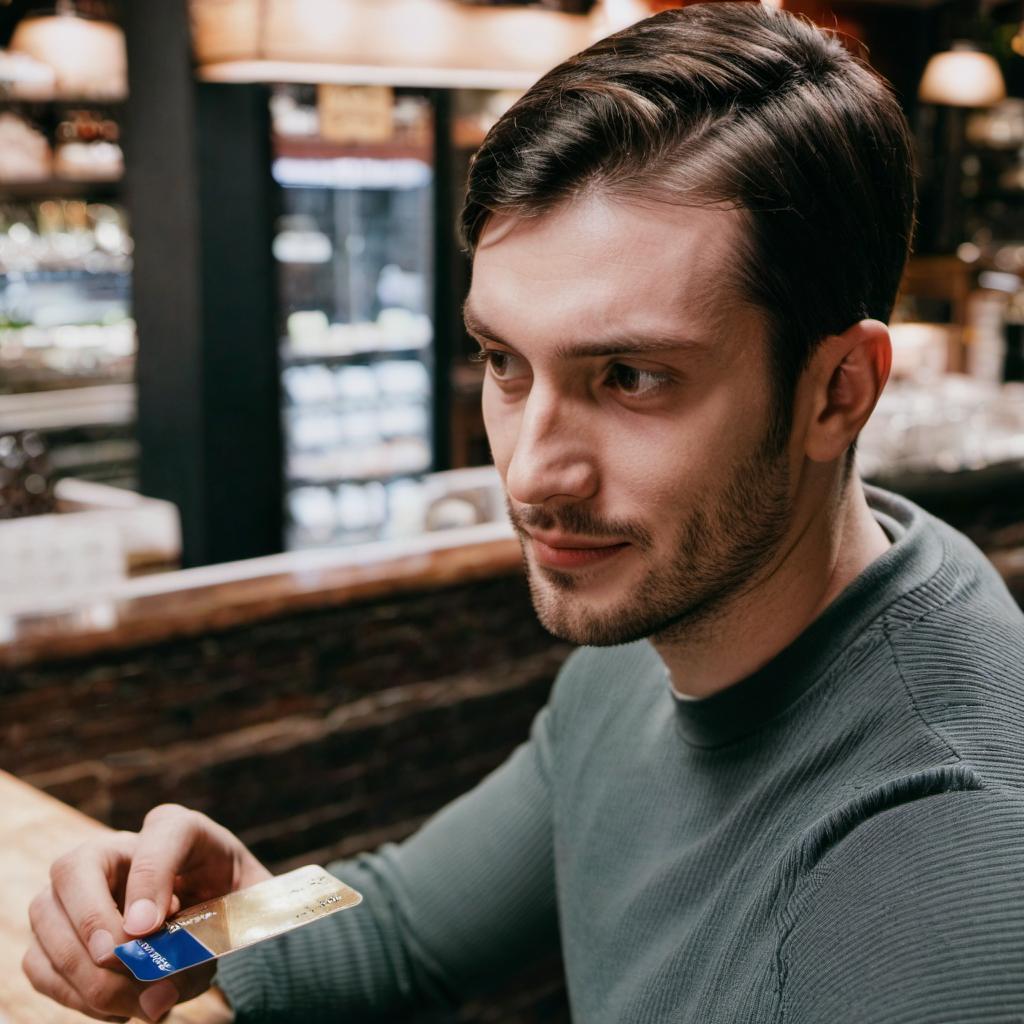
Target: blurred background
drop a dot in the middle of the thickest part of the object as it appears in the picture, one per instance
(229, 277)
(246, 507)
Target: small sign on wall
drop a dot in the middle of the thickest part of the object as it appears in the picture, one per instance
(356, 113)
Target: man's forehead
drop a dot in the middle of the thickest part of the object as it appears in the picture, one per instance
(597, 260)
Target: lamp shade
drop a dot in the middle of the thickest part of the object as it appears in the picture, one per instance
(962, 77)
(88, 57)
(398, 42)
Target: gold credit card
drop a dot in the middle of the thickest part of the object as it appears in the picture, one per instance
(239, 919)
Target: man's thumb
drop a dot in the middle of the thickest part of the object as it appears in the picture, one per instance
(142, 917)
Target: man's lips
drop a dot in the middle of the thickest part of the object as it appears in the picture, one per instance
(562, 551)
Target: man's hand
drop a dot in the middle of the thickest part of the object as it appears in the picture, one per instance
(124, 885)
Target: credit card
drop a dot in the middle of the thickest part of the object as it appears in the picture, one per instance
(222, 925)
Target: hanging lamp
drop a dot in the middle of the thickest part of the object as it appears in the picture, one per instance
(431, 43)
(88, 55)
(962, 76)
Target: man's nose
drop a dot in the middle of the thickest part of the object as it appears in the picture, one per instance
(553, 456)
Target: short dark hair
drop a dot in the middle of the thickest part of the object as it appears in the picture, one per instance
(732, 105)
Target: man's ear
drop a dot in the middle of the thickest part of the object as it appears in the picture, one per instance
(847, 373)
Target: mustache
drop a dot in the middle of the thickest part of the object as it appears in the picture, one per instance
(576, 519)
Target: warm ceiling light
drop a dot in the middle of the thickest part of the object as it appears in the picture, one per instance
(619, 14)
(962, 77)
(88, 57)
(397, 42)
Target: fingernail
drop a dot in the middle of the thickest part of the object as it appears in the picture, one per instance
(158, 999)
(101, 945)
(141, 917)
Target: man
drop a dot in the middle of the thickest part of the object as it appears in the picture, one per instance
(782, 781)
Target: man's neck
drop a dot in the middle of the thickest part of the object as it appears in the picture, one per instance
(832, 548)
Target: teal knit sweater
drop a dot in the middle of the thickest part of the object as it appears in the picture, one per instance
(837, 838)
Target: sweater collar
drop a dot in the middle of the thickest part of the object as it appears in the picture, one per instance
(915, 554)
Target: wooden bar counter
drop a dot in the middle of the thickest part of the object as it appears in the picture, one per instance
(38, 829)
(151, 609)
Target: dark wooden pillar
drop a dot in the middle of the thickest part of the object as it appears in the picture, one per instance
(202, 201)
(447, 311)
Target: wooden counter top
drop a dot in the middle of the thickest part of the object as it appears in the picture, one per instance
(151, 609)
(37, 830)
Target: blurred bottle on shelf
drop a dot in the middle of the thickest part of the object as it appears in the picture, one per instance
(63, 234)
(26, 477)
(1013, 326)
(984, 333)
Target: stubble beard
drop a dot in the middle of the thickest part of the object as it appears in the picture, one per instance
(722, 546)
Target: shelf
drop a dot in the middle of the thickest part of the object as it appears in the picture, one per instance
(60, 101)
(360, 407)
(96, 405)
(98, 461)
(352, 173)
(60, 188)
(59, 275)
(300, 538)
(301, 147)
(330, 480)
(289, 358)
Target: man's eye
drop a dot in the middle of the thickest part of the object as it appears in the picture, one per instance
(635, 382)
(503, 365)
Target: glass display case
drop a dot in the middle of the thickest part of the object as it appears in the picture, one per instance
(353, 247)
(67, 334)
(67, 337)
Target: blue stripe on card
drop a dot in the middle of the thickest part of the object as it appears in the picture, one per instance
(162, 953)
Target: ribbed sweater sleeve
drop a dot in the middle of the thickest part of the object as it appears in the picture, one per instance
(468, 898)
(907, 919)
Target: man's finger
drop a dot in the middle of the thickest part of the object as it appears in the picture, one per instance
(165, 844)
(161, 996)
(45, 980)
(108, 991)
(83, 882)
(156, 999)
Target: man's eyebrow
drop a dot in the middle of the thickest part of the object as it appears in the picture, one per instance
(476, 327)
(618, 345)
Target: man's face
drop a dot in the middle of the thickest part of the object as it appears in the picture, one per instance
(628, 406)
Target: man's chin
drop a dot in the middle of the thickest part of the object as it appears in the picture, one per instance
(583, 632)
(580, 620)
(590, 615)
